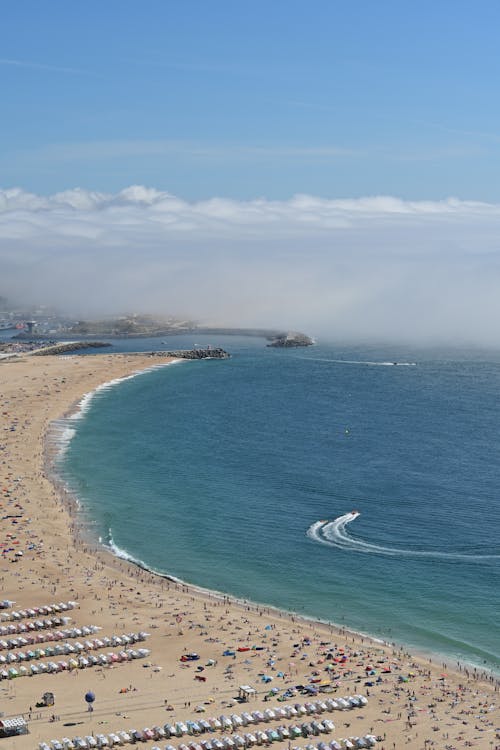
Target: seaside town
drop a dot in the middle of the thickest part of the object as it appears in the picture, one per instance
(24, 322)
(97, 652)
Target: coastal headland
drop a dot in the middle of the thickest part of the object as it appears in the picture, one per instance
(49, 557)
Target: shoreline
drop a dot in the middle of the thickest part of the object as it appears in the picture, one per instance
(76, 412)
(126, 591)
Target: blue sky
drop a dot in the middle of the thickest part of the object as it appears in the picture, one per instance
(333, 98)
(325, 165)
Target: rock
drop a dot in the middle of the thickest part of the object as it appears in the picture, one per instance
(291, 339)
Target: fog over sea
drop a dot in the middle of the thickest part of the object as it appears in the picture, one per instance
(242, 476)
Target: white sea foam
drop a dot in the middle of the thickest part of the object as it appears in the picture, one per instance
(119, 552)
(124, 555)
(62, 431)
(334, 534)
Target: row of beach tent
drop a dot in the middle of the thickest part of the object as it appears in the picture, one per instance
(273, 714)
(236, 721)
(235, 742)
(29, 627)
(46, 609)
(81, 662)
(29, 639)
(77, 647)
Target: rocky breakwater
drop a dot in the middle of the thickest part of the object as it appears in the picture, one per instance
(65, 346)
(215, 353)
(291, 339)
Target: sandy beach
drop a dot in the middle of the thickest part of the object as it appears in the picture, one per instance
(413, 702)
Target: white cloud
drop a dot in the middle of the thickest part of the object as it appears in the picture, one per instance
(376, 266)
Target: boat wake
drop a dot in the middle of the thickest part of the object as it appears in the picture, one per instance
(334, 534)
(359, 362)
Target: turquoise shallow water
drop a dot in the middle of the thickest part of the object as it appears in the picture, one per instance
(219, 472)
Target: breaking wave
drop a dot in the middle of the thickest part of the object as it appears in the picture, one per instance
(334, 534)
(62, 431)
(117, 551)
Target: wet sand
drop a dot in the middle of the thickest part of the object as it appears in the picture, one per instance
(437, 705)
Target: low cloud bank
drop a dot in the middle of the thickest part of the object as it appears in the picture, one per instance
(376, 267)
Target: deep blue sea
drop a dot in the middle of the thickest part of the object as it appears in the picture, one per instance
(242, 475)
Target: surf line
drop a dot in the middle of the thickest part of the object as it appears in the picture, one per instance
(334, 534)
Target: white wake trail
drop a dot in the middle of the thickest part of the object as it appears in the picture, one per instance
(359, 362)
(334, 534)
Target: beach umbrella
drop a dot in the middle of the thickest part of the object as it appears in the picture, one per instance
(89, 700)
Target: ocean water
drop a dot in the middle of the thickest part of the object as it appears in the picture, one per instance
(242, 476)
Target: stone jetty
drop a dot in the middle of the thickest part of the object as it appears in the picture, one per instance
(212, 353)
(67, 346)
